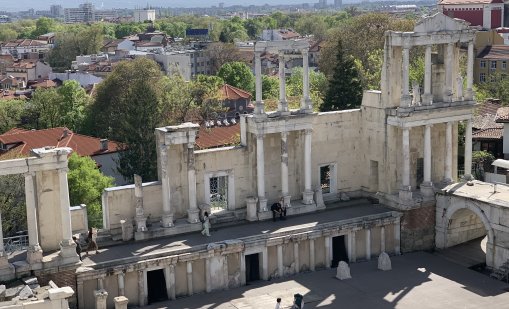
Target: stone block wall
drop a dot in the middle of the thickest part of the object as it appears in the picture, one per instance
(62, 278)
(418, 229)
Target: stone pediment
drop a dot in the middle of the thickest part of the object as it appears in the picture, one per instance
(440, 22)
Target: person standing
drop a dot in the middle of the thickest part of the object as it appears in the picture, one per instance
(206, 224)
(278, 303)
(92, 244)
(78, 246)
(298, 301)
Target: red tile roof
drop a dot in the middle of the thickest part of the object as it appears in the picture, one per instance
(470, 1)
(502, 115)
(25, 140)
(228, 92)
(491, 133)
(46, 83)
(495, 52)
(218, 136)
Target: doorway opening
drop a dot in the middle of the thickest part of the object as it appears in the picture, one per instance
(339, 252)
(156, 286)
(252, 267)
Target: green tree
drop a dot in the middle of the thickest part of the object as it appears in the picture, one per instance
(345, 89)
(254, 27)
(127, 107)
(233, 30)
(239, 75)
(496, 86)
(221, 53)
(86, 184)
(317, 85)
(270, 87)
(44, 25)
(481, 162)
(7, 34)
(312, 24)
(12, 204)
(11, 112)
(370, 73)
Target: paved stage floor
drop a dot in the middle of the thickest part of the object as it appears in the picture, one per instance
(418, 280)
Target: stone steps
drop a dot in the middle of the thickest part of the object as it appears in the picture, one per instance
(502, 272)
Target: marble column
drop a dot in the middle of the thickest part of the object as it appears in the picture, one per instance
(67, 245)
(260, 171)
(265, 264)
(296, 256)
(280, 266)
(283, 104)
(34, 251)
(327, 251)
(469, 95)
(259, 105)
(405, 193)
(447, 96)
(307, 195)
(427, 98)
(142, 297)
(169, 276)
(368, 244)
(189, 272)
(140, 219)
(120, 302)
(427, 186)
(382, 239)
(448, 154)
(4, 261)
(397, 237)
(208, 283)
(312, 254)
(405, 93)
(165, 187)
(121, 284)
(468, 150)
(284, 168)
(242, 268)
(306, 105)
(193, 212)
(352, 250)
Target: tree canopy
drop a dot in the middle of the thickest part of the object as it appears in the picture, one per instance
(239, 75)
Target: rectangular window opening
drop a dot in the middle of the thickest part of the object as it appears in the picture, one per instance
(219, 192)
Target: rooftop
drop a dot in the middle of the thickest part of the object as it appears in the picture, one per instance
(502, 115)
(217, 136)
(481, 191)
(453, 2)
(229, 92)
(489, 133)
(495, 52)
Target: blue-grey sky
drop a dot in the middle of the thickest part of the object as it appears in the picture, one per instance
(9, 5)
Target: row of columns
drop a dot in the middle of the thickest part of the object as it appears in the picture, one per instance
(449, 64)
(260, 169)
(426, 186)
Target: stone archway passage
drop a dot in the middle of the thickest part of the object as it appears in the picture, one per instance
(156, 286)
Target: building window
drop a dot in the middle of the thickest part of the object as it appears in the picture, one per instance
(218, 192)
(328, 179)
(482, 77)
(504, 64)
(482, 64)
(493, 65)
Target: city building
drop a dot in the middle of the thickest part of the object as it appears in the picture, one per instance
(28, 70)
(488, 14)
(56, 11)
(144, 15)
(85, 13)
(187, 63)
(338, 3)
(279, 34)
(25, 48)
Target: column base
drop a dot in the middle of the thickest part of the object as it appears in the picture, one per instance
(262, 204)
(34, 254)
(446, 181)
(306, 106)
(193, 215)
(141, 224)
(68, 252)
(287, 200)
(405, 193)
(469, 95)
(427, 99)
(307, 197)
(7, 271)
(427, 190)
(467, 177)
(168, 220)
(251, 209)
(4, 261)
(320, 204)
(405, 101)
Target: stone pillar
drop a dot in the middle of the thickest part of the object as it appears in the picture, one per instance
(448, 73)
(280, 266)
(260, 170)
(4, 261)
(427, 186)
(208, 283)
(120, 302)
(142, 297)
(34, 251)
(67, 245)
(242, 269)
(165, 187)
(405, 95)
(259, 105)
(368, 244)
(307, 195)
(189, 272)
(397, 237)
(427, 98)
(283, 104)
(405, 193)
(169, 277)
(448, 154)
(327, 251)
(140, 219)
(265, 264)
(296, 256)
(352, 251)
(468, 150)
(306, 105)
(469, 95)
(312, 254)
(382, 239)
(284, 168)
(121, 284)
(193, 213)
(100, 299)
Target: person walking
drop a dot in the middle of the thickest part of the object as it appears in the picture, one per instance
(78, 246)
(206, 224)
(278, 303)
(298, 301)
(92, 244)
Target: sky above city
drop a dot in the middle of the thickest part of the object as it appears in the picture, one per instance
(9, 5)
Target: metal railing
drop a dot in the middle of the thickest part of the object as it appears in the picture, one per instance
(16, 243)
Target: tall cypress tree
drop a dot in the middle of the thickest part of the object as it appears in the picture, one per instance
(345, 89)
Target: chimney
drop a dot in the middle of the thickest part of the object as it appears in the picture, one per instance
(65, 133)
(104, 144)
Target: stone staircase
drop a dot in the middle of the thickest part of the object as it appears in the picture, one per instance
(502, 272)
